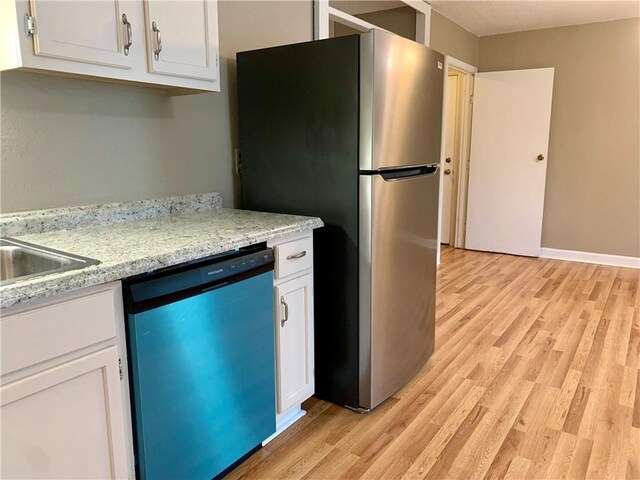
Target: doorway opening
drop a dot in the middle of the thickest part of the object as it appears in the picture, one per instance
(456, 141)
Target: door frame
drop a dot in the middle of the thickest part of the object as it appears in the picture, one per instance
(323, 13)
(460, 189)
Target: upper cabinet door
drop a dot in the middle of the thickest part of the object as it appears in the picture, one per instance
(90, 32)
(182, 38)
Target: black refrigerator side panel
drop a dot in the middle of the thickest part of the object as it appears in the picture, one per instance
(298, 110)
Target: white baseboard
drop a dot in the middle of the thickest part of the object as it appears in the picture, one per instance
(285, 421)
(588, 257)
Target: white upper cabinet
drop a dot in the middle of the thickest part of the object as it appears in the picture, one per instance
(182, 38)
(115, 39)
(91, 32)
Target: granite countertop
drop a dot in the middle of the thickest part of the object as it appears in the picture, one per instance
(133, 245)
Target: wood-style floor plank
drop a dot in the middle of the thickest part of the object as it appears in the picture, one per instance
(536, 375)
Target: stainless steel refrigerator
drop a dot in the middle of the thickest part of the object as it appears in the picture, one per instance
(349, 129)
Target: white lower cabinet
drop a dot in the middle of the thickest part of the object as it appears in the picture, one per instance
(294, 342)
(63, 410)
(65, 422)
(294, 323)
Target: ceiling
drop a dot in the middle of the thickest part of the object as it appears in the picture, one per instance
(492, 17)
(356, 7)
(489, 17)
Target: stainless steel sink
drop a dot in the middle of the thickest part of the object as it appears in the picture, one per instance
(21, 260)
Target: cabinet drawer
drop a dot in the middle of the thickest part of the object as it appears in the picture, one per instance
(46, 332)
(293, 256)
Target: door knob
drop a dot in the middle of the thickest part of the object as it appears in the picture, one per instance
(447, 172)
(448, 159)
(540, 157)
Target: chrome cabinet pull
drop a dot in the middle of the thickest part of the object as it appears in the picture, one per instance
(127, 45)
(156, 53)
(297, 255)
(286, 311)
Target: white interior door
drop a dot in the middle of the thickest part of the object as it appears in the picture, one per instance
(449, 153)
(508, 167)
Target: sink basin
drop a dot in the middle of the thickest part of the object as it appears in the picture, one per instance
(21, 260)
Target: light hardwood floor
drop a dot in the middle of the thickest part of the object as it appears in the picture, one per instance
(536, 375)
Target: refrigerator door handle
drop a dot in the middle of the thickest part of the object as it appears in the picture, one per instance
(408, 173)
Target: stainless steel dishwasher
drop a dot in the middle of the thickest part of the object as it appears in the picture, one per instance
(201, 362)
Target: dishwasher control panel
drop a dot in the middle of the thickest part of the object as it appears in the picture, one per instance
(236, 266)
(149, 290)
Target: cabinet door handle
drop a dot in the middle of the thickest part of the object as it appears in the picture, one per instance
(127, 45)
(156, 53)
(286, 311)
(297, 255)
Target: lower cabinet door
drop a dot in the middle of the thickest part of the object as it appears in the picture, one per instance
(65, 422)
(294, 341)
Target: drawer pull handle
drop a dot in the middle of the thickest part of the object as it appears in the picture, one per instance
(297, 255)
(286, 311)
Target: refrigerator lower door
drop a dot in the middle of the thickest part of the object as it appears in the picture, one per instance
(398, 232)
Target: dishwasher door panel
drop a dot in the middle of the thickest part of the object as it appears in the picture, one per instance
(202, 372)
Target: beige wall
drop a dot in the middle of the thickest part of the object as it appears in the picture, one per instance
(451, 39)
(401, 21)
(592, 198)
(72, 142)
(69, 141)
(446, 37)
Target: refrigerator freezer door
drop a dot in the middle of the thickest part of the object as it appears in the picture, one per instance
(398, 231)
(401, 88)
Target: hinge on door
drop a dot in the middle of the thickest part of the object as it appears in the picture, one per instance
(237, 162)
(471, 99)
(29, 25)
(120, 368)
(216, 60)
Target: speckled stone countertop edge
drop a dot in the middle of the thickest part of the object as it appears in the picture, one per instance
(55, 284)
(14, 224)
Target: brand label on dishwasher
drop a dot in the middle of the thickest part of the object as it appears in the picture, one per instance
(213, 272)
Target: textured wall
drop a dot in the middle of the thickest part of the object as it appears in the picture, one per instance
(67, 141)
(592, 198)
(70, 141)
